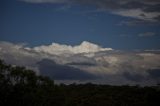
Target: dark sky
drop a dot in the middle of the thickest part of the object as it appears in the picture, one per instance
(119, 24)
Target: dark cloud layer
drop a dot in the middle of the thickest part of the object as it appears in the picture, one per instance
(105, 67)
(155, 73)
(81, 64)
(62, 72)
(133, 77)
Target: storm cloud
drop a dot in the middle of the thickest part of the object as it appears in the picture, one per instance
(62, 72)
(107, 66)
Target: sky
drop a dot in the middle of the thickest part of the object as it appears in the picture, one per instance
(113, 42)
(119, 24)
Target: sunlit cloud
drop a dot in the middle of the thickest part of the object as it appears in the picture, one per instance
(102, 65)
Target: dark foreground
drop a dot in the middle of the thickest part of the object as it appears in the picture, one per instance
(22, 87)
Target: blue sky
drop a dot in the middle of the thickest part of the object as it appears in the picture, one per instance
(36, 23)
(49, 27)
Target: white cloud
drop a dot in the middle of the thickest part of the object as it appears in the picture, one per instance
(108, 66)
(58, 49)
(16, 54)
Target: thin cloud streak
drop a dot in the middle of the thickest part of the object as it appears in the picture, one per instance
(147, 34)
(142, 10)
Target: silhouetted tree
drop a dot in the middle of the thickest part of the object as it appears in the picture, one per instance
(22, 87)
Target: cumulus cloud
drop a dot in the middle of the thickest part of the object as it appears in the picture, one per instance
(96, 65)
(17, 54)
(148, 10)
(84, 47)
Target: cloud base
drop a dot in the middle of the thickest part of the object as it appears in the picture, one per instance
(86, 62)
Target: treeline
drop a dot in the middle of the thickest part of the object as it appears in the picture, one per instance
(22, 87)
